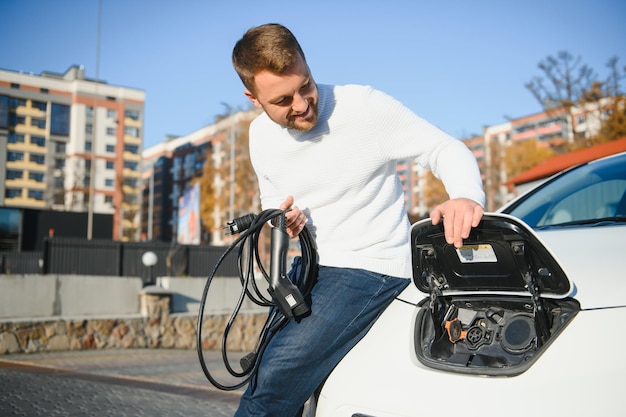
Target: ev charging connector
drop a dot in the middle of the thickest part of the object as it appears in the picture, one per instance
(287, 296)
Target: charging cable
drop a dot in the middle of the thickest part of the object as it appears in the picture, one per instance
(288, 299)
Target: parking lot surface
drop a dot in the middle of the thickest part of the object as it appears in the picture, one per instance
(128, 382)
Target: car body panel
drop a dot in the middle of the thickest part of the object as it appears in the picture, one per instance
(382, 377)
(582, 253)
(577, 370)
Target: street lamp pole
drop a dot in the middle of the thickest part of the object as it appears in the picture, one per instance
(231, 212)
(94, 127)
(232, 168)
(151, 203)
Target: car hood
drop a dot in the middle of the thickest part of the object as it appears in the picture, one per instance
(501, 256)
(594, 259)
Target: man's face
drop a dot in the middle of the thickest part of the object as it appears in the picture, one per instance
(288, 99)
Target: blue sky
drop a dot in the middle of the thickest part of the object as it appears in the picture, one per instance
(460, 64)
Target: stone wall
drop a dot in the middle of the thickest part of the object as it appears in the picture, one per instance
(155, 328)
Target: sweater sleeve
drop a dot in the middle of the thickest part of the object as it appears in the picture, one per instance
(404, 135)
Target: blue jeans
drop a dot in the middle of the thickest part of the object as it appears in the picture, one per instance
(344, 305)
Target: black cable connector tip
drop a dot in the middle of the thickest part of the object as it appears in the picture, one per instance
(239, 224)
(247, 361)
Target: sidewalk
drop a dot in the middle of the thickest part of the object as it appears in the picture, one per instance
(133, 382)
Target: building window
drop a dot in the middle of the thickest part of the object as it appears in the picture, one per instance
(60, 119)
(130, 182)
(4, 111)
(130, 198)
(37, 158)
(89, 111)
(15, 86)
(110, 165)
(35, 194)
(108, 199)
(39, 105)
(44, 90)
(88, 128)
(38, 140)
(111, 131)
(15, 156)
(15, 102)
(110, 148)
(88, 145)
(13, 193)
(36, 176)
(131, 131)
(134, 149)
(14, 175)
(130, 165)
(59, 163)
(131, 114)
(39, 123)
(59, 147)
(15, 138)
(111, 114)
(108, 182)
(580, 119)
(15, 120)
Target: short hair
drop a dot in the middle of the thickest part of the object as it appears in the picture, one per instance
(270, 47)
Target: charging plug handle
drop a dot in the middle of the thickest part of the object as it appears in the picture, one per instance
(285, 294)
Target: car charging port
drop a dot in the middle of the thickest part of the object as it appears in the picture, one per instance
(477, 336)
(455, 330)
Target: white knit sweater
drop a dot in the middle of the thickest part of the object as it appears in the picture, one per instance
(342, 174)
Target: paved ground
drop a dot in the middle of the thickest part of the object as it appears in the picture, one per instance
(129, 382)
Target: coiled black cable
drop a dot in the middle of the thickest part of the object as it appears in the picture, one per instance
(250, 227)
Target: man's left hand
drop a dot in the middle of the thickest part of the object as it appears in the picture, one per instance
(459, 216)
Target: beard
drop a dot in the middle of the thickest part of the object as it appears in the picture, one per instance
(306, 122)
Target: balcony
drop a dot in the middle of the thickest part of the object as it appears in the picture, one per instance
(127, 172)
(127, 189)
(132, 139)
(129, 156)
(128, 121)
(538, 132)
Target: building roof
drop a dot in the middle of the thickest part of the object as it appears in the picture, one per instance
(560, 162)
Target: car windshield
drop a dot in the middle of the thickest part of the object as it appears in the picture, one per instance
(591, 194)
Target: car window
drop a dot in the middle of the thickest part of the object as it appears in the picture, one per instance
(596, 201)
(590, 192)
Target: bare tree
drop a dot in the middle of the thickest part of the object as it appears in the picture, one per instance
(568, 80)
(614, 124)
(613, 81)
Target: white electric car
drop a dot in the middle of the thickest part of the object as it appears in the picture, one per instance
(528, 318)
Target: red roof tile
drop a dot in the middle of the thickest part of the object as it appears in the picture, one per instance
(560, 162)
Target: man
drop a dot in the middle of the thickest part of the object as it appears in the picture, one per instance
(329, 154)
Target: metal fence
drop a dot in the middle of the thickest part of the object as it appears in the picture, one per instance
(20, 262)
(105, 257)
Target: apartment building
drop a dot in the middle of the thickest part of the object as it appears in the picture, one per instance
(171, 167)
(74, 144)
(553, 128)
